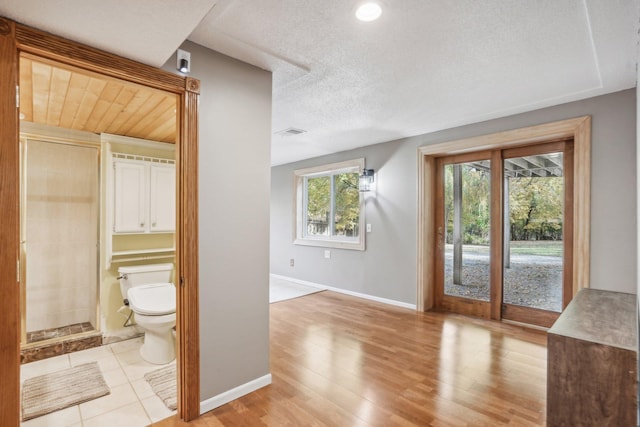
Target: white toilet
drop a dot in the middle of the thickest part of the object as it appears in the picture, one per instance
(152, 298)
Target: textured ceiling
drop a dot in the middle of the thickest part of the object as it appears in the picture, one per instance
(147, 31)
(425, 65)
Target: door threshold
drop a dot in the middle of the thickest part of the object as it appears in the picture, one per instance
(524, 325)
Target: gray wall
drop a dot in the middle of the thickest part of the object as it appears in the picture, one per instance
(234, 175)
(387, 268)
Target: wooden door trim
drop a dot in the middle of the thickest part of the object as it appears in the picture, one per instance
(442, 301)
(496, 257)
(529, 315)
(10, 229)
(16, 38)
(532, 315)
(58, 49)
(578, 129)
(568, 252)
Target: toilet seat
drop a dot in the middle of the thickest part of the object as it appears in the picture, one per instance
(155, 299)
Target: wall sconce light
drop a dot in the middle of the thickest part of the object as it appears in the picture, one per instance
(183, 59)
(366, 180)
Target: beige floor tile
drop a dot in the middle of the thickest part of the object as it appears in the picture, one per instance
(115, 377)
(123, 369)
(63, 418)
(129, 357)
(89, 355)
(46, 366)
(142, 388)
(156, 409)
(132, 415)
(126, 345)
(120, 396)
(108, 363)
(134, 366)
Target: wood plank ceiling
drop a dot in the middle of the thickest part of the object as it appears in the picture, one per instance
(72, 98)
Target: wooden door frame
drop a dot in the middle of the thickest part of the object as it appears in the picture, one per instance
(579, 129)
(495, 307)
(531, 315)
(14, 39)
(462, 305)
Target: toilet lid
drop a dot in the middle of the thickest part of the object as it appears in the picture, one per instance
(153, 299)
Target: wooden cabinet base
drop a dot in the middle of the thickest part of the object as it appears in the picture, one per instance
(592, 374)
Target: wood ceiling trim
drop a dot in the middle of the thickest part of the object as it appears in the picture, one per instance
(107, 98)
(40, 43)
(77, 86)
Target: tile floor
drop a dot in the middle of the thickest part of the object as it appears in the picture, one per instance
(131, 402)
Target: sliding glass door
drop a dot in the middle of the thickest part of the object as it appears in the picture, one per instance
(464, 233)
(503, 227)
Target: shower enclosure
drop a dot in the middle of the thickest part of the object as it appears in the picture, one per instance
(60, 217)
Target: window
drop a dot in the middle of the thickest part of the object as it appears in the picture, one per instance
(329, 206)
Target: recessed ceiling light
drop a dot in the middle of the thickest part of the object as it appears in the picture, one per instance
(369, 11)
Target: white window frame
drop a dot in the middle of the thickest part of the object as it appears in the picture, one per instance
(299, 204)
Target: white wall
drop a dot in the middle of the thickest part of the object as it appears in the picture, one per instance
(387, 268)
(234, 176)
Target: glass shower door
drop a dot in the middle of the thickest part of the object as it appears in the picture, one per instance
(59, 239)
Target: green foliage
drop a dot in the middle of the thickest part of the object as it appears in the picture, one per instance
(476, 215)
(346, 205)
(319, 198)
(535, 206)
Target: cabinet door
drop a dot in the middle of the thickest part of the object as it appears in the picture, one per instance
(130, 197)
(162, 200)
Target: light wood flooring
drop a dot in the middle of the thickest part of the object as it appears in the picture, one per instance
(337, 360)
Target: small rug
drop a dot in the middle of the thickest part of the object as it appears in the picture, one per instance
(281, 290)
(47, 393)
(164, 383)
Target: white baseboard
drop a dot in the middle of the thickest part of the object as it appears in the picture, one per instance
(234, 393)
(346, 292)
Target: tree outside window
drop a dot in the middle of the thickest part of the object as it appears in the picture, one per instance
(330, 206)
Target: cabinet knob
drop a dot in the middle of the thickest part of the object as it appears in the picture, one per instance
(142, 224)
(153, 224)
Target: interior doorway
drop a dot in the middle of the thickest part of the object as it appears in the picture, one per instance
(17, 40)
(504, 232)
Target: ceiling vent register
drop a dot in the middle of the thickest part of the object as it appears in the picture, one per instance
(290, 132)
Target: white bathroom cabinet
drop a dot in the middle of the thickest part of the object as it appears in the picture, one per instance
(144, 197)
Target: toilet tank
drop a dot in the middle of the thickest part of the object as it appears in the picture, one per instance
(142, 275)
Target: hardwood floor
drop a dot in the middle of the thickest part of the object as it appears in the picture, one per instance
(337, 360)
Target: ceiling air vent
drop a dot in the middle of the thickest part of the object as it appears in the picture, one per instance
(290, 132)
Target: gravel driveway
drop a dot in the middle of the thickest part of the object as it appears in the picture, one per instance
(531, 281)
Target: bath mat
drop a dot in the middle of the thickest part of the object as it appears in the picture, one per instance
(164, 383)
(47, 393)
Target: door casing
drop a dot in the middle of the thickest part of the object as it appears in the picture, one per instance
(578, 129)
(495, 308)
(15, 39)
